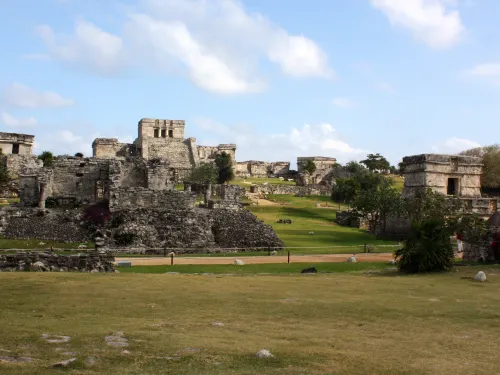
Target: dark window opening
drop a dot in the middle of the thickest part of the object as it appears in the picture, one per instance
(452, 188)
(163, 133)
(15, 148)
(171, 134)
(99, 190)
(157, 133)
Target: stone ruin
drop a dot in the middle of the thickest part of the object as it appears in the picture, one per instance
(450, 175)
(323, 175)
(92, 261)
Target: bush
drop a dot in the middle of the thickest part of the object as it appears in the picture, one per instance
(47, 157)
(78, 155)
(427, 249)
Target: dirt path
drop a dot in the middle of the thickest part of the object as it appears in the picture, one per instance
(382, 257)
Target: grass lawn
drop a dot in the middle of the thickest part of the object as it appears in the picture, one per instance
(253, 269)
(346, 323)
(306, 217)
(246, 182)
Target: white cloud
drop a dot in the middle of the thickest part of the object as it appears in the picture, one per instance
(218, 43)
(455, 145)
(489, 72)
(89, 46)
(14, 122)
(343, 102)
(434, 22)
(307, 140)
(19, 95)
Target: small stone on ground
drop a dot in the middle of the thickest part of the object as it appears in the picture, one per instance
(218, 324)
(65, 363)
(264, 353)
(480, 276)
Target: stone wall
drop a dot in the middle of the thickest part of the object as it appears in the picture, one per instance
(434, 171)
(24, 143)
(324, 166)
(349, 219)
(58, 225)
(208, 153)
(138, 198)
(17, 164)
(191, 231)
(290, 189)
(254, 168)
(50, 262)
(110, 148)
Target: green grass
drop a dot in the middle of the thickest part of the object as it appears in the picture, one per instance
(247, 182)
(306, 217)
(358, 323)
(253, 269)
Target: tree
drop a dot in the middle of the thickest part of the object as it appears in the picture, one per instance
(309, 167)
(354, 167)
(490, 156)
(224, 163)
(204, 175)
(427, 204)
(376, 204)
(78, 155)
(346, 189)
(427, 249)
(5, 177)
(47, 157)
(376, 162)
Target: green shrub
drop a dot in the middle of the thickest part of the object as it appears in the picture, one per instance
(427, 249)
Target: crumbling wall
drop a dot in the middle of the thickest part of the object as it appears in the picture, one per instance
(191, 231)
(24, 143)
(291, 189)
(84, 180)
(17, 164)
(50, 262)
(323, 173)
(104, 148)
(434, 170)
(208, 153)
(137, 198)
(59, 225)
(255, 168)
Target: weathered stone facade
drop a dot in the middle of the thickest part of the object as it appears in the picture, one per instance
(322, 175)
(300, 191)
(50, 262)
(16, 144)
(445, 174)
(160, 139)
(254, 168)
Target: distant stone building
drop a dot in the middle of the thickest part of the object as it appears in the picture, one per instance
(450, 175)
(254, 168)
(322, 175)
(16, 144)
(162, 139)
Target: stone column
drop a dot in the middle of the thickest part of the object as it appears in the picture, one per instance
(41, 201)
(208, 193)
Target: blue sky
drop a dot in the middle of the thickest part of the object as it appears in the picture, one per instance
(280, 78)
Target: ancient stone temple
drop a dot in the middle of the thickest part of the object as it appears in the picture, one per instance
(16, 144)
(162, 139)
(451, 175)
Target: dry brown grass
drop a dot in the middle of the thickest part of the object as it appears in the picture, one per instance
(322, 324)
